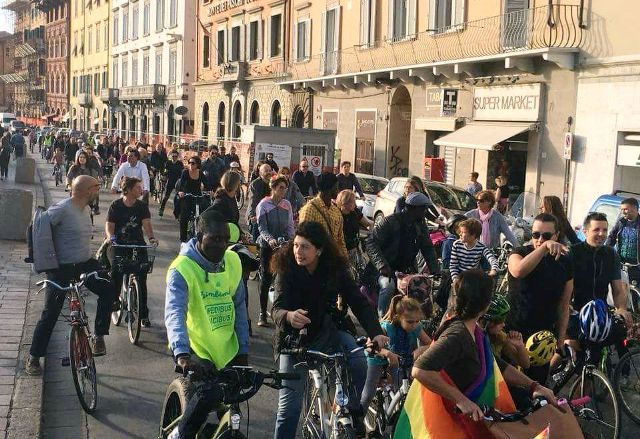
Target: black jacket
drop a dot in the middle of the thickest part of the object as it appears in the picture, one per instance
(614, 236)
(258, 189)
(227, 207)
(306, 182)
(318, 294)
(174, 170)
(396, 242)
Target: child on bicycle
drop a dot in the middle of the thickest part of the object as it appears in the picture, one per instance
(508, 346)
(57, 160)
(402, 324)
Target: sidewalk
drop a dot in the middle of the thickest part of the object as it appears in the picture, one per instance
(20, 395)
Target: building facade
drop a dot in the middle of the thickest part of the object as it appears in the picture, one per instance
(243, 47)
(6, 71)
(153, 65)
(57, 58)
(88, 64)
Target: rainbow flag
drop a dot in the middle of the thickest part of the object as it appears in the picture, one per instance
(544, 434)
(426, 415)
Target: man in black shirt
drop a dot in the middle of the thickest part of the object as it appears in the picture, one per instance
(347, 180)
(540, 286)
(305, 179)
(258, 189)
(271, 162)
(173, 168)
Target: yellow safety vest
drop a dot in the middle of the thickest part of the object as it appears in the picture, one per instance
(211, 311)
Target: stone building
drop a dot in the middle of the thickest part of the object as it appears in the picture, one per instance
(6, 72)
(57, 58)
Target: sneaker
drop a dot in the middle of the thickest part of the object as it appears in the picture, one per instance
(98, 347)
(32, 366)
(262, 320)
(146, 323)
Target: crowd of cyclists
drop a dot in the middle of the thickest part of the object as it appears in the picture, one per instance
(325, 262)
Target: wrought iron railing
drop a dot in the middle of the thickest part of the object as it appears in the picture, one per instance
(556, 26)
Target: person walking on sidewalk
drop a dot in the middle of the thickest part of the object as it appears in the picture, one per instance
(5, 156)
(71, 231)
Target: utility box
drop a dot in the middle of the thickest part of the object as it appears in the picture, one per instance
(17, 207)
(25, 170)
(434, 169)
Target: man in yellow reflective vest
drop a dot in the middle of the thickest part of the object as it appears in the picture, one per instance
(206, 316)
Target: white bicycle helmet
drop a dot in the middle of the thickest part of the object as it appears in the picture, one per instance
(595, 321)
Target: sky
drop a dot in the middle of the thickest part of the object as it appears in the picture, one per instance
(5, 23)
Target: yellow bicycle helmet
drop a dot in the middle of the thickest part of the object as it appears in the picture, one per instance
(541, 347)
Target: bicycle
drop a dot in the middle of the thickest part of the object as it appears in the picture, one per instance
(130, 266)
(386, 405)
(326, 415)
(239, 385)
(626, 376)
(241, 195)
(160, 183)
(633, 292)
(602, 419)
(193, 221)
(83, 367)
(57, 174)
(107, 172)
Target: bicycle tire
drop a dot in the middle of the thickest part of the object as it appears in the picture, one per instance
(311, 424)
(191, 229)
(240, 197)
(133, 309)
(627, 392)
(375, 418)
(116, 316)
(175, 403)
(577, 390)
(83, 368)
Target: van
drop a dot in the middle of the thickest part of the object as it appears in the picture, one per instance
(5, 119)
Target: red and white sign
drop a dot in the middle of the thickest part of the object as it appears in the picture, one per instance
(315, 164)
(568, 145)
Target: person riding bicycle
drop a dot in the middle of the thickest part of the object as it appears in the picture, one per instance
(173, 169)
(258, 189)
(395, 242)
(57, 160)
(70, 150)
(506, 345)
(235, 167)
(224, 200)
(310, 273)
(127, 218)
(133, 167)
(71, 230)
(206, 316)
(275, 224)
(212, 169)
(191, 182)
(460, 371)
(625, 236)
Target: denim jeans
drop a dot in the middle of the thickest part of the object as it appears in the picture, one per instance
(374, 373)
(387, 291)
(290, 398)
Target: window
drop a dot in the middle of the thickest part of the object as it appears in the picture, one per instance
(159, 15)
(104, 78)
(125, 25)
(105, 28)
(75, 43)
(134, 69)
(134, 21)
(173, 60)
(206, 51)
(255, 40)
(444, 13)
(221, 126)
(329, 41)
(96, 84)
(159, 66)
(302, 41)
(220, 45)
(237, 120)
(276, 114)
(98, 36)
(74, 86)
(115, 30)
(275, 37)
(205, 120)
(114, 73)
(90, 40)
(367, 22)
(75, 9)
(173, 13)
(146, 16)
(254, 115)
(145, 68)
(402, 19)
(125, 72)
(235, 44)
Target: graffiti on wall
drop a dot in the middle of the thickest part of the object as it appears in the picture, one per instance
(396, 167)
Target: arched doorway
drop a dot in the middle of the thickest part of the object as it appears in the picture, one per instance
(171, 124)
(237, 120)
(104, 118)
(399, 134)
(276, 114)
(132, 126)
(144, 124)
(254, 114)
(114, 120)
(205, 120)
(123, 125)
(156, 123)
(221, 126)
(297, 120)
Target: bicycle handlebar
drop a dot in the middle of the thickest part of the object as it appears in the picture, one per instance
(83, 278)
(360, 341)
(203, 195)
(114, 245)
(494, 415)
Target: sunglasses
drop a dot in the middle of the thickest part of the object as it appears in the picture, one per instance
(192, 163)
(546, 235)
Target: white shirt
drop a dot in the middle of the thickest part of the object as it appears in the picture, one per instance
(138, 171)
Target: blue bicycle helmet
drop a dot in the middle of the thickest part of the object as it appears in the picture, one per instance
(595, 321)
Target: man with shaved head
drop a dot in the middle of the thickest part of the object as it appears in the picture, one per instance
(258, 189)
(71, 230)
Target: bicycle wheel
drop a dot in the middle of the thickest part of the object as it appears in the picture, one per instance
(240, 197)
(175, 402)
(600, 418)
(375, 418)
(116, 316)
(626, 381)
(191, 229)
(83, 368)
(133, 310)
(312, 411)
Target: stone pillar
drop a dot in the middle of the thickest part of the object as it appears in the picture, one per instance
(16, 205)
(25, 170)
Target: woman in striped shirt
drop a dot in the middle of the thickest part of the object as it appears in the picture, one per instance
(468, 251)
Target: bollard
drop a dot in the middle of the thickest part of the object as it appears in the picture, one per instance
(16, 206)
(25, 170)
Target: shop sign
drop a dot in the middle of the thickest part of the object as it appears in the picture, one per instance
(449, 102)
(226, 5)
(434, 97)
(365, 125)
(330, 120)
(629, 155)
(281, 153)
(567, 146)
(508, 103)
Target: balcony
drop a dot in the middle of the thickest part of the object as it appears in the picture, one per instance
(143, 92)
(85, 99)
(552, 32)
(110, 95)
(233, 71)
(16, 5)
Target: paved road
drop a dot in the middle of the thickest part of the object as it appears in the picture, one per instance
(132, 379)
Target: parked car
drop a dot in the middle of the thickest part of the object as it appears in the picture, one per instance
(451, 198)
(609, 204)
(371, 185)
(5, 119)
(17, 125)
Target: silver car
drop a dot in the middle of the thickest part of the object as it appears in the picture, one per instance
(371, 185)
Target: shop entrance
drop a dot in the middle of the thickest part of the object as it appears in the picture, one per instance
(509, 159)
(399, 134)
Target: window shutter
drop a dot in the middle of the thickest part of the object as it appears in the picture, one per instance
(433, 15)
(337, 28)
(295, 41)
(515, 5)
(364, 17)
(260, 39)
(323, 40)
(243, 38)
(307, 40)
(411, 17)
(372, 25)
(268, 36)
(391, 4)
(247, 41)
(460, 11)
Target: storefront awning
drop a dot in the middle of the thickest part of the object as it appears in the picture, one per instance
(482, 135)
(436, 123)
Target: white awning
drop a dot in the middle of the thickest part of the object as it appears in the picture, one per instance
(482, 135)
(436, 123)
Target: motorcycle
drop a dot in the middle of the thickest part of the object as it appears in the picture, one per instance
(520, 216)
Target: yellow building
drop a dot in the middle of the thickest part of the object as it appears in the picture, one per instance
(89, 64)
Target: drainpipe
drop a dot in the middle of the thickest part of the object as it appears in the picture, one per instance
(387, 139)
